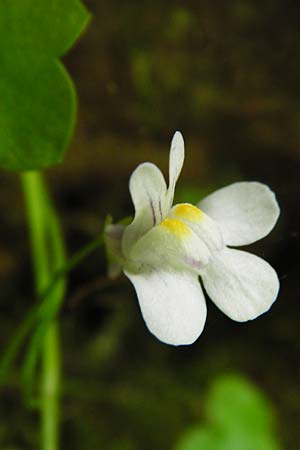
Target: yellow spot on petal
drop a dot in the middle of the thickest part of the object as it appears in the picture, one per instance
(188, 212)
(176, 227)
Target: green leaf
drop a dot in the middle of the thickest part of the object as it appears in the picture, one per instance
(239, 417)
(234, 402)
(38, 102)
(198, 438)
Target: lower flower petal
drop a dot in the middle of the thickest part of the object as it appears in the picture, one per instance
(172, 304)
(242, 285)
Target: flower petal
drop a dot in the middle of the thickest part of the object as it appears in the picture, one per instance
(202, 225)
(242, 285)
(175, 164)
(148, 191)
(171, 244)
(172, 304)
(245, 211)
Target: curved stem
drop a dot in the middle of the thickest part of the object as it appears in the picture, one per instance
(37, 311)
(71, 264)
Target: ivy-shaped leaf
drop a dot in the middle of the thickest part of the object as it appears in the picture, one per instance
(239, 417)
(37, 97)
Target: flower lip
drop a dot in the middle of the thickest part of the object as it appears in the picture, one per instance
(172, 245)
(188, 211)
(176, 227)
(202, 225)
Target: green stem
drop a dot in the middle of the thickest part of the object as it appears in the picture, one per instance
(43, 235)
(35, 209)
(50, 384)
(70, 264)
(38, 310)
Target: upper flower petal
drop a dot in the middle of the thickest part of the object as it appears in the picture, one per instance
(148, 191)
(242, 285)
(151, 198)
(172, 304)
(245, 211)
(175, 164)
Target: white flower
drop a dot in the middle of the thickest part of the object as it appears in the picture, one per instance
(165, 249)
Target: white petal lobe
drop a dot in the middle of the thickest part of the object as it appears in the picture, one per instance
(175, 164)
(242, 285)
(148, 191)
(245, 211)
(172, 305)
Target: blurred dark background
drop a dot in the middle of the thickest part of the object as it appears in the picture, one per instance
(226, 74)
